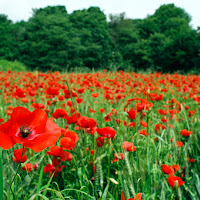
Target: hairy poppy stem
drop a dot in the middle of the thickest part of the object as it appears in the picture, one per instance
(19, 165)
(1, 175)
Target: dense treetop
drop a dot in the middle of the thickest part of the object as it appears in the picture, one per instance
(53, 39)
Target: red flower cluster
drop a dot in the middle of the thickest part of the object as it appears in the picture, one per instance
(172, 180)
(107, 132)
(69, 140)
(185, 132)
(54, 168)
(128, 146)
(28, 167)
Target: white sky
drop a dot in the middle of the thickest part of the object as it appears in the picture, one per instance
(17, 10)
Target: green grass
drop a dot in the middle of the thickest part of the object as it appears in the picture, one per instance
(13, 66)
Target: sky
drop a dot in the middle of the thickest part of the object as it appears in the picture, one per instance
(18, 10)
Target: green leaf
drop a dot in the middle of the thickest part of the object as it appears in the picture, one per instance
(105, 192)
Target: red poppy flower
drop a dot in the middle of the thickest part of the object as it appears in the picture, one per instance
(140, 107)
(91, 130)
(95, 95)
(69, 103)
(191, 160)
(55, 151)
(179, 144)
(175, 181)
(59, 113)
(163, 120)
(144, 124)
(81, 90)
(116, 158)
(100, 141)
(19, 93)
(86, 122)
(79, 100)
(67, 143)
(131, 114)
(159, 97)
(31, 92)
(118, 121)
(185, 132)
(138, 196)
(191, 113)
(59, 152)
(166, 169)
(61, 98)
(106, 132)
(163, 112)
(158, 128)
(31, 129)
(101, 110)
(92, 152)
(24, 100)
(38, 105)
(54, 168)
(187, 107)
(108, 117)
(122, 195)
(131, 124)
(28, 167)
(176, 167)
(52, 91)
(144, 132)
(128, 146)
(73, 118)
(48, 168)
(70, 134)
(18, 154)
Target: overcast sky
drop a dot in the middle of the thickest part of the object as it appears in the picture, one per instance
(17, 10)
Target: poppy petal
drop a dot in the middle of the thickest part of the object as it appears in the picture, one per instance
(6, 141)
(21, 115)
(39, 120)
(48, 138)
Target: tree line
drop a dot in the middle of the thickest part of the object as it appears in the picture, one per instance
(53, 39)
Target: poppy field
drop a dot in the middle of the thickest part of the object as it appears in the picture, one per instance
(101, 135)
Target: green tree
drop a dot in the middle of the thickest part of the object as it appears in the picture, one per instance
(47, 39)
(91, 42)
(125, 38)
(6, 37)
(181, 52)
(173, 44)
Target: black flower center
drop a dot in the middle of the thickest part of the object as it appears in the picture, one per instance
(25, 131)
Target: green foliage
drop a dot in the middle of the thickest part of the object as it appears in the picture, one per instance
(90, 31)
(13, 66)
(6, 38)
(164, 41)
(124, 35)
(54, 40)
(47, 39)
(181, 52)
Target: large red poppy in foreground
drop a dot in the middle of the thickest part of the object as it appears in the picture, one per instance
(31, 129)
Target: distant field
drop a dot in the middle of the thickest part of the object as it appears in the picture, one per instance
(113, 136)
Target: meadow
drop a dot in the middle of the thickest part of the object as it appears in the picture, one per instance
(101, 135)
